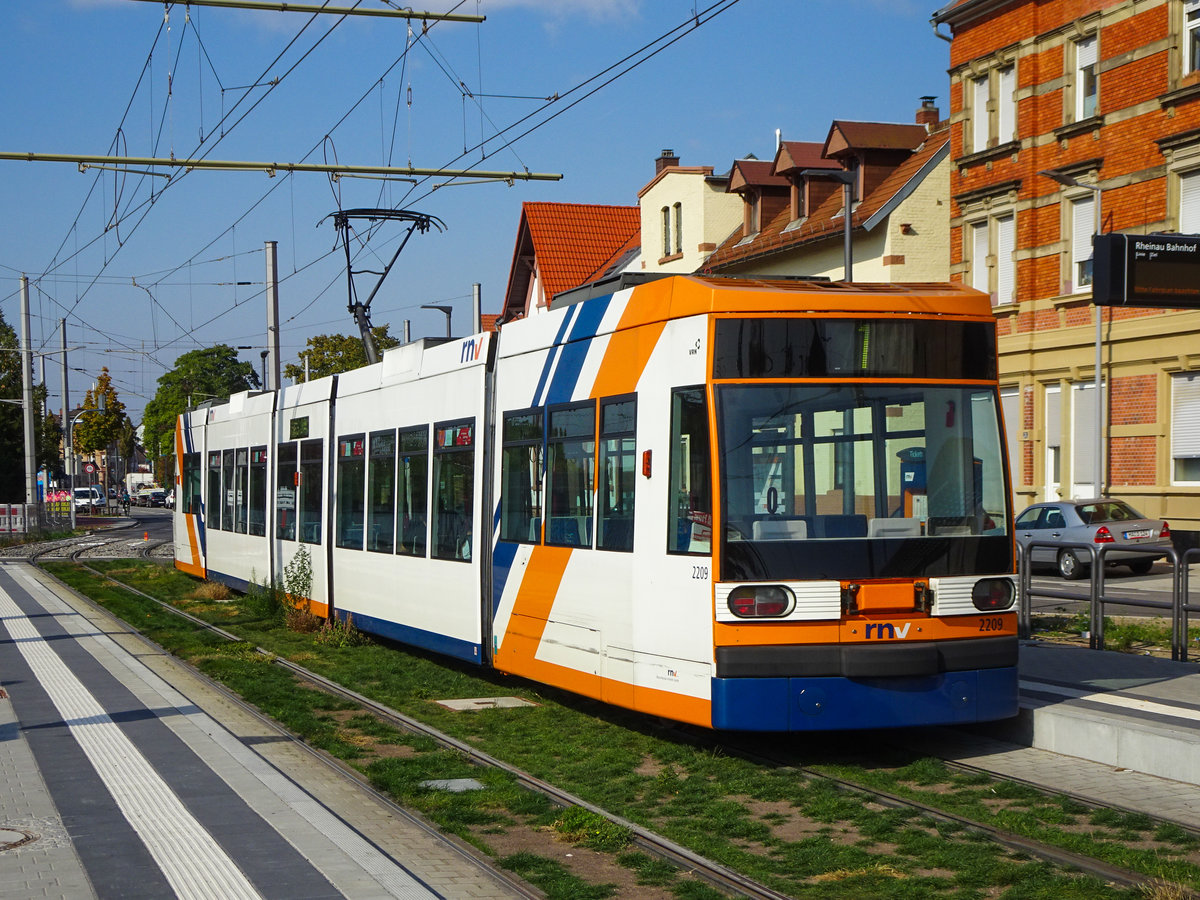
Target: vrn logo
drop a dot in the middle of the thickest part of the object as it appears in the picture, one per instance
(888, 630)
(471, 348)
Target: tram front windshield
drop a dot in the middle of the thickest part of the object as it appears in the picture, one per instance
(839, 481)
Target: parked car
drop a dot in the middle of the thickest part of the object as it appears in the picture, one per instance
(89, 498)
(1103, 521)
(156, 497)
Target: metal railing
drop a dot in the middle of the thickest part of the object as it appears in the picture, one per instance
(1179, 605)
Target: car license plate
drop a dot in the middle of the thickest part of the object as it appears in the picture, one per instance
(1139, 534)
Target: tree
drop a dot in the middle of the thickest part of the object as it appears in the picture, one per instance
(12, 426)
(211, 373)
(97, 430)
(330, 354)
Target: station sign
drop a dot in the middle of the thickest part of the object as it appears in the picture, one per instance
(1156, 270)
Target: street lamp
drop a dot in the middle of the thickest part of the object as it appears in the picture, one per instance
(71, 451)
(1070, 181)
(848, 179)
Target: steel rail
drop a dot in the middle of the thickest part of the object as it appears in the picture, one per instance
(1011, 840)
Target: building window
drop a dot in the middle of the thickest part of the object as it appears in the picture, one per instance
(1191, 36)
(1083, 438)
(1083, 227)
(1007, 104)
(1086, 79)
(666, 231)
(1189, 203)
(979, 253)
(1185, 428)
(678, 227)
(1006, 266)
(979, 113)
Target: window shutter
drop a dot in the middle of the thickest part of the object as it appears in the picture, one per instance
(1083, 226)
(1006, 244)
(1008, 104)
(1185, 415)
(1189, 201)
(979, 114)
(1085, 53)
(979, 252)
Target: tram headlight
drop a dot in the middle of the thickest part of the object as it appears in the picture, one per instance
(761, 601)
(992, 594)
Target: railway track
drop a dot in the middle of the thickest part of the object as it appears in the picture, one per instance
(656, 845)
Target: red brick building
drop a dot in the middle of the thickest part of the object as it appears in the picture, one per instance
(1068, 116)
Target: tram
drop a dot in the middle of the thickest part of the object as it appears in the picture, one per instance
(744, 504)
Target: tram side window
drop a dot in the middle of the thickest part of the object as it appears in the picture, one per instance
(242, 480)
(381, 491)
(227, 479)
(521, 478)
(618, 422)
(214, 490)
(312, 453)
(351, 501)
(191, 484)
(285, 491)
(454, 490)
(412, 491)
(570, 474)
(690, 516)
(257, 506)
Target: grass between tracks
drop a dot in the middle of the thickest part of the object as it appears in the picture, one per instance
(798, 834)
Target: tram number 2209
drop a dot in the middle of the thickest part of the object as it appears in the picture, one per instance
(993, 624)
(700, 573)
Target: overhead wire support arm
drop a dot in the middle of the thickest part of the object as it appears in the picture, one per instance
(84, 160)
(390, 13)
(421, 222)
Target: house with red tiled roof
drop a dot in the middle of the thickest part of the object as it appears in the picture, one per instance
(564, 245)
(686, 212)
(793, 211)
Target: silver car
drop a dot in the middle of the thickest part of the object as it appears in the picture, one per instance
(1105, 522)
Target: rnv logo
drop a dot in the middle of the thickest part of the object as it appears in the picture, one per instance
(888, 630)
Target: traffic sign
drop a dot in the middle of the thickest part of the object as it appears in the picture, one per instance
(89, 468)
(1159, 270)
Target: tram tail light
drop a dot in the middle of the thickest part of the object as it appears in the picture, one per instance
(762, 601)
(992, 594)
(1103, 535)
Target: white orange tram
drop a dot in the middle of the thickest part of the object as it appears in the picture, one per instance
(775, 506)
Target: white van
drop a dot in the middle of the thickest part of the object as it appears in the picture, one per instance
(89, 498)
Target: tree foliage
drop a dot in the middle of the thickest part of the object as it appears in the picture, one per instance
(331, 354)
(210, 373)
(96, 430)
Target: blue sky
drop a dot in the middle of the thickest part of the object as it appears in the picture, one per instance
(145, 268)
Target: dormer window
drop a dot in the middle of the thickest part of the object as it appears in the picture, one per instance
(752, 213)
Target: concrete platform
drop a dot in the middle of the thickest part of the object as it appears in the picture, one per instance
(1128, 711)
(126, 775)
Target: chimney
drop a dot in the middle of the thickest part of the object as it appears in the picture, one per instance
(928, 115)
(666, 160)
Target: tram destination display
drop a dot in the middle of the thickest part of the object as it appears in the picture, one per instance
(1157, 270)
